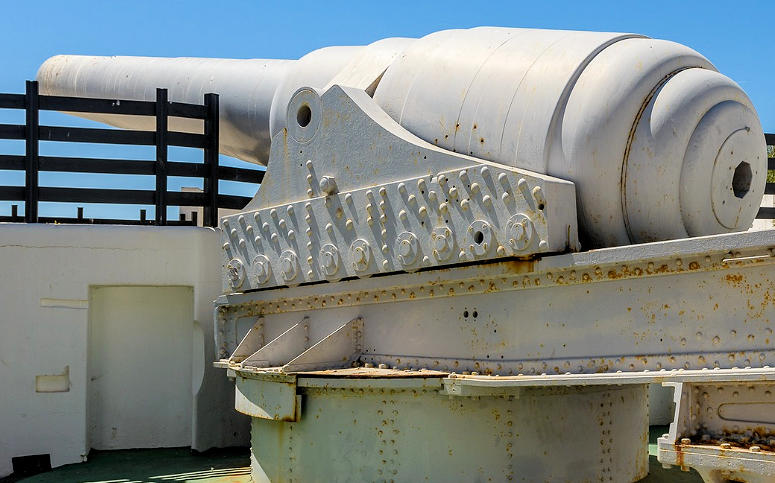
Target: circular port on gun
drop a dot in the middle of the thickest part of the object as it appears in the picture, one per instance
(304, 115)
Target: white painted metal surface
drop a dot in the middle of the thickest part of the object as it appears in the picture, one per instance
(410, 266)
(641, 126)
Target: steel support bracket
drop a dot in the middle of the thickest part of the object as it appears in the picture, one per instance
(337, 350)
(267, 396)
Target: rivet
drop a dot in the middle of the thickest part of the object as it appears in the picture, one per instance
(274, 237)
(464, 204)
(328, 185)
(383, 192)
(402, 214)
(385, 264)
(385, 249)
(502, 177)
(475, 187)
(443, 207)
(505, 196)
(329, 227)
(308, 219)
(432, 195)
(310, 193)
(500, 251)
(309, 179)
(487, 200)
(453, 192)
(348, 198)
(348, 224)
(421, 185)
(309, 164)
(422, 211)
(282, 224)
(382, 206)
(273, 213)
(249, 230)
(463, 176)
(485, 171)
(291, 234)
(402, 188)
(370, 220)
(442, 180)
(411, 199)
(226, 246)
(233, 233)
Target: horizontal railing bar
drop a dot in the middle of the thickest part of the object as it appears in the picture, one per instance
(180, 198)
(12, 131)
(228, 173)
(190, 170)
(233, 202)
(10, 161)
(95, 165)
(12, 101)
(100, 106)
(94, 135)
(97, 195)
(93, 221)
(110, 221)
(12, 193)
(192, 111)
(766, 213)
(186, 139)
(130, 166)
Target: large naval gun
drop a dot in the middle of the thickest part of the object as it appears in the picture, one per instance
(473, 252)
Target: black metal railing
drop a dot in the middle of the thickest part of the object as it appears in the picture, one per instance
(768, 212)
(162, 138)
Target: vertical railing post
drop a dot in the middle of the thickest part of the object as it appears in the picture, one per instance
(31, 157)
(211, 161)
(162, 111)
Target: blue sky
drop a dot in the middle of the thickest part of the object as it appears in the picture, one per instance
(739, 38)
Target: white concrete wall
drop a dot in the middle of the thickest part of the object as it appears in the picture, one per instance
(47, 273)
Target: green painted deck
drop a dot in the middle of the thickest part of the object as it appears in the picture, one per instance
(165, 465)
(233, 466)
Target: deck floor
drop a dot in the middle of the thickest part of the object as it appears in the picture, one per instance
(233, 466)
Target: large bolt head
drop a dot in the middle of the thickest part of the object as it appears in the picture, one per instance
(521, 232)
(360, 253)
(235, 271)
(288, 265)
(407, 247)
(329, 259)
(261, 268)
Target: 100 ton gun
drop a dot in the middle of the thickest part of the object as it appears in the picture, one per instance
(472, 253)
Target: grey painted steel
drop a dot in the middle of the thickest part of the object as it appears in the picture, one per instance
(643, 127)
(321, 216)
(404, 430)
(460, 169)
